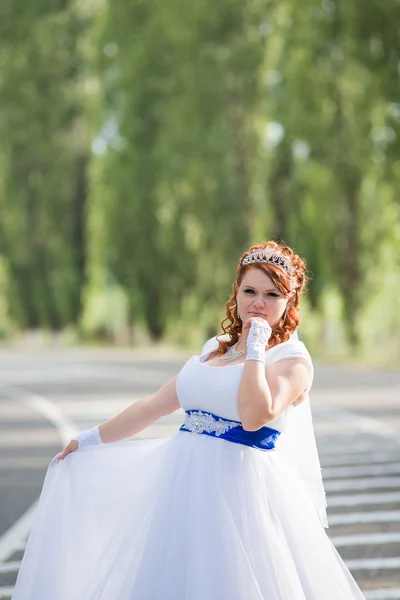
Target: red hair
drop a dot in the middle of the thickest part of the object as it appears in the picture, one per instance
(232, 324)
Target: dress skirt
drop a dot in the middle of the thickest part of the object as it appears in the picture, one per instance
(189, 517)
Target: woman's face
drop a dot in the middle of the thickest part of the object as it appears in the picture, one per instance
(257, 296)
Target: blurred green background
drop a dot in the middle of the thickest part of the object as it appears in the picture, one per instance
(145, 144)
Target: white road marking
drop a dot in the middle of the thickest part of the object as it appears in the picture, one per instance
(46, 407)
(21, 437)
(92, 408)
(366, 539)
(66, 428)
(363, 423)
(365, 483)
(366, 458)
(10, 567)
(21, 546)
(390, 516)
(347, 449)
(78, 374)
(353, 500)
(23, 462)
(373, 564)
(359, 470)
(11, 539)
(384, 594)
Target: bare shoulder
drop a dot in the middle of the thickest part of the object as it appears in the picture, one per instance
(288, 351)
(291, 367)
(213, 343)
(294, 374)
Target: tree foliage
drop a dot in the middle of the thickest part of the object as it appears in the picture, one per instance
(154, 141)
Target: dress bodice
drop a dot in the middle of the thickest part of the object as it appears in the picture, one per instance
(215, 389)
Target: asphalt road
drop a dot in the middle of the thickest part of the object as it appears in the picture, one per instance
(46, 395)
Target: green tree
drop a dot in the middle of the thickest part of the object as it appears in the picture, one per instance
(44, 156)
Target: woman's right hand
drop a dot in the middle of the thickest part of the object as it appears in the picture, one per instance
(71, 447)
(258, 332)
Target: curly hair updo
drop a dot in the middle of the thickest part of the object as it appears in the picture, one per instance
(284, 282)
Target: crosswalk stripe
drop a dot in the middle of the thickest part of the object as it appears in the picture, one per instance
(17, 532)
(326, 448)
(360, 564)
(366, 458)
(10, 567)
(339, 485)
(354, 499)
(383, 594)
(96, 408)
(134, 374)
(390, 516)
(359, 470)
(20, 547)
(348, 420)
(366, 539)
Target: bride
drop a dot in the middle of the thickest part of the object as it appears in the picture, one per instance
(232, 506)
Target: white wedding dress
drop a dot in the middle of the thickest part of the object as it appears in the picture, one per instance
(190, 517)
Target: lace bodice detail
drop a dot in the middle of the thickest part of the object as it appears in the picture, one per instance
(215, 389)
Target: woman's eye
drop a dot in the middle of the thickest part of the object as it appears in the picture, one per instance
(270, 294)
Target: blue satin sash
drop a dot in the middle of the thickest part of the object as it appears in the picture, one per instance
(206, 423)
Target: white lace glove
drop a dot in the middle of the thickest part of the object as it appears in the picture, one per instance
(90, 437)
(259, 334)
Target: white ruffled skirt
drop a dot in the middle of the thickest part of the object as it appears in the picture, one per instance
(190, 517)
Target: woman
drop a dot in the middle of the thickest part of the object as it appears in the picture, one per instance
(232, 506)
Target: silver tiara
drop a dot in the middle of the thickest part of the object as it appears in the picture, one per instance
(270, 255)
